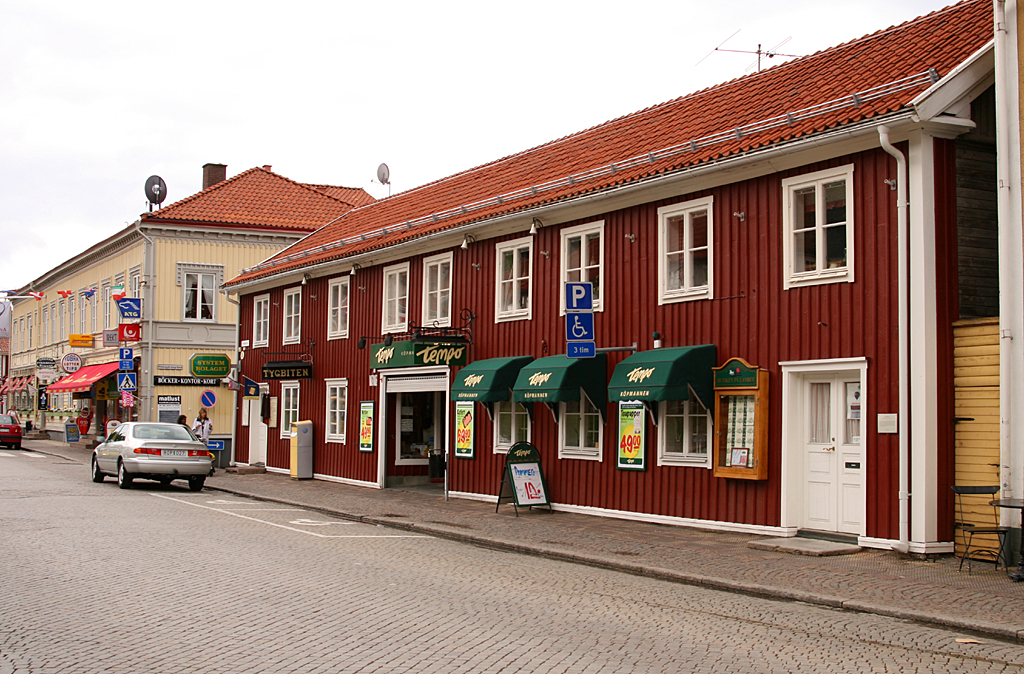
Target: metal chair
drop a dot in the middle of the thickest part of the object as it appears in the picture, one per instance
(986, 529)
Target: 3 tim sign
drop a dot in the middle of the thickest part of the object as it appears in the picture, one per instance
(209, 365)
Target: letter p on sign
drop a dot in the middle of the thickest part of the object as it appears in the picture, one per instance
(579, 297)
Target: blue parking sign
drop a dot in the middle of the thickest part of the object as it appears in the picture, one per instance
(579, 297)
(126, 354)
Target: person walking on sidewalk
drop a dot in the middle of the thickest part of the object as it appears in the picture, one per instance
(202, 426)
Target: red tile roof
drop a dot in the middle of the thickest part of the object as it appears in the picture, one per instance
(867, 78)
(257, 198)
(356, 196)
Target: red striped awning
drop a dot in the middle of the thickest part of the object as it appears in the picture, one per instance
(83, 379)
(18, 384)
(7, 385)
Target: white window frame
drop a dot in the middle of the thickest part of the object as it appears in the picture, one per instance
(46, 324)
(590, 454)
(72, 306)
(53, 322)
(685, 211)
(514, 314)
(291, 316)
(289, 394)
(105, 292)
(437, 261)
(261, 326)
(332, 432)
(515, 410)
(823, 274)
(581, 232)
(61, 308)
(135, 285)
(94, 307)
(201, 278)
(399, 326)
(686, 457)
(339, 289)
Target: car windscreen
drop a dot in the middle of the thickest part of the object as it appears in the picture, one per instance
(174, 432)
(8, 420)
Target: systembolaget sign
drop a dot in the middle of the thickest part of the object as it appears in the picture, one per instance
(209, 365)
(411, 354)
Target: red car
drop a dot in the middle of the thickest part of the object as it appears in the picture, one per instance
(10, 431)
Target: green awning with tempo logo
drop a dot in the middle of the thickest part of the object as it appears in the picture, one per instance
(666, 374)
(488, 381)
(559, 378)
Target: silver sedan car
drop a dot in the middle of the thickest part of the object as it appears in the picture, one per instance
(152, 451)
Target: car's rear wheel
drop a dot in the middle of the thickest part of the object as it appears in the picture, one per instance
(97, 474)
(196, 482)
(124, 478)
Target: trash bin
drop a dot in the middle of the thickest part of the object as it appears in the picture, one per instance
(437, 466)
(302, 450)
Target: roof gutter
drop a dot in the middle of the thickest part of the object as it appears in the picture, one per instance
(854, 131)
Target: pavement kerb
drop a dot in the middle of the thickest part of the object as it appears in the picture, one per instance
(698, 580)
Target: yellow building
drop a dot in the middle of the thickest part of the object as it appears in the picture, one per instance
(173, 261)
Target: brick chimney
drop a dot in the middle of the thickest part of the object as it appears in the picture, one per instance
(213, 174)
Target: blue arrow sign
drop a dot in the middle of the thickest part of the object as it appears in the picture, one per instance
(579, 327)
(579, 297)
(125, 381)
(581, 349)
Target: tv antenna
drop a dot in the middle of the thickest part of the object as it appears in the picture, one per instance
(384, 176)
(156, 191)
(767, 53)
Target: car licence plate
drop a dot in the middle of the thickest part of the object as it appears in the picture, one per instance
(174, 452)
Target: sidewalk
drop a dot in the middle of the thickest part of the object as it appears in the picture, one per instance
(872, 581)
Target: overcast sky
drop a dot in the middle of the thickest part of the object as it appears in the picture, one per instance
(97, 96)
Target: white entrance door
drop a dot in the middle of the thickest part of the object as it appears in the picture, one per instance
(257, 431)
(833, 454)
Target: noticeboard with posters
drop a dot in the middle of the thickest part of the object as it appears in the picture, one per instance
(464, 423)
(741, 421)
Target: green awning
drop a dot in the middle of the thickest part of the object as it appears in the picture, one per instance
(559, 378)
(489, 380)
(666, 374)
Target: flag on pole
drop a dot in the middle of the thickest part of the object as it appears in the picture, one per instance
(117, 292)
(36, 295)
(87, 294)
(65, 293)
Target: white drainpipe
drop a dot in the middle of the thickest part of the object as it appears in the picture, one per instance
(904, 364)
(238, 374)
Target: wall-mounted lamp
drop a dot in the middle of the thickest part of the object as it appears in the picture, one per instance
(656, 336)
(389, 339)
(305, 277)
(631, 237)
(545, 253)
(354, 269)
(741, 215)
(535, 225)
(475, 265)
(361, 344)
(466, 240)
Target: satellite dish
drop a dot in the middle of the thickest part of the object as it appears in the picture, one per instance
(384, 174)
(156, 189)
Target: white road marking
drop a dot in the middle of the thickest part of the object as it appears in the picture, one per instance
(5, 454)
(275, 524)
(317, 523)
(35, 456)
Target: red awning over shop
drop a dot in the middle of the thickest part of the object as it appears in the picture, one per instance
(83, 379)
(7, 385)
(18, 384)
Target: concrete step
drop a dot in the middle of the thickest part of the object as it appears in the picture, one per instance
(804, 546)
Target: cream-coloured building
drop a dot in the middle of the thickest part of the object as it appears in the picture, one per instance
(174, 261)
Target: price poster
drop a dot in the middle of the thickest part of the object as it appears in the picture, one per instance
(632, 436)
(366, 426)
(464, 429)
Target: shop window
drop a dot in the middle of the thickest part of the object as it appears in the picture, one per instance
(437, 290)
(684, 433)
(579, 430)
(685, 251)
(292, 316)
(289, 407)
(818, 217)
(515, 280)
(511, 425)
(337, 308)
(337, 409)
(396, 298)
(261, 321)
(583, 259)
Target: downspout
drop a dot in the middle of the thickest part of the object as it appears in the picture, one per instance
(903, 546)
(238, 373)
(148, 361)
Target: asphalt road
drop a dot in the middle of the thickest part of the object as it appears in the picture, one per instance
(153, 579)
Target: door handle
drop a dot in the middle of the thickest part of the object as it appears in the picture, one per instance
(830, 449)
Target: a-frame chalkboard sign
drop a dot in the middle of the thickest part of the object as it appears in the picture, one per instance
(522, 479)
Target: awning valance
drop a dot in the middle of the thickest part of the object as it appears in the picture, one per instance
(83, 379)
(666, 374)
(559, 379)
(489, 380)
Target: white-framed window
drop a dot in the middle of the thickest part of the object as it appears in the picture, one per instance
(337, 409)
(583, 259)
(337, 308)
(514, 284)
(437, 290)
(31, 320)
(818, 219)
(685, 251)
(94, 308)
(580, 429)
(62, 317)
(261, 320)
(135, 287)
(53, 322)
(289, 406)
(71, 313)
(197, 303)
(511, 425)
(395, 317)
(106, 305)
(684, 433)
(46, 324)
(292, 316)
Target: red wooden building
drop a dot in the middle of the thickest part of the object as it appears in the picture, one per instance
(769, 219)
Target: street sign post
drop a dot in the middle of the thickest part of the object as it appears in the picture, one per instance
(580, 340)
(126, 381)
